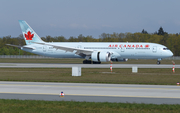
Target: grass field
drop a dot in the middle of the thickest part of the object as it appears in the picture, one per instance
(119, 76)
(79, 61)
(32, 106)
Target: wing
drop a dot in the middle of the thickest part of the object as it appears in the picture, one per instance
(70, 49)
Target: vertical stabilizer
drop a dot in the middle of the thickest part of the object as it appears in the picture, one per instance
(28, 33)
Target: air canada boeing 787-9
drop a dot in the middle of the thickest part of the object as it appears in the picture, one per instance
(92, 52)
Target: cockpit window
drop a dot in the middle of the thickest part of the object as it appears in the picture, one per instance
(165, 49)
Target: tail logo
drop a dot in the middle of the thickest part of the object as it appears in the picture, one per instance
(29, 36)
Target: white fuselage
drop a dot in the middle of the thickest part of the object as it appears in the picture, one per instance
(135, 50)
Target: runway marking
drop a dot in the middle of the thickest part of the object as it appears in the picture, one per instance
(92, 87)
(91, 95)
(123, 96)
(29, 93)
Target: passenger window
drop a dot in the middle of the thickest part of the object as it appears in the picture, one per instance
(165, 49)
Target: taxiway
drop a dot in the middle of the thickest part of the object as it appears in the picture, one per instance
(154, 94)
(47, 65)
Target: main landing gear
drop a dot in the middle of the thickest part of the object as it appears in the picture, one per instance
(89, 62)
(96, 62)
(86, 61)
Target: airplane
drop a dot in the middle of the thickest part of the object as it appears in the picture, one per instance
(92, 52)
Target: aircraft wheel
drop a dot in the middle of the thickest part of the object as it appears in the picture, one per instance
(86, 61)
(96, 62)
(158, 62)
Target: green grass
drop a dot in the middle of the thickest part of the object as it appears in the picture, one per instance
(119, 76)
(131, 61)
(33, 106)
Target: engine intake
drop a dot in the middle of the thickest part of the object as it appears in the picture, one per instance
(101, 56)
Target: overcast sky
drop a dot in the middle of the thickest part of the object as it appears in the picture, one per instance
(89, 17)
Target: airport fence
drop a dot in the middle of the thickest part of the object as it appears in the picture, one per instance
(24, 56)
(44, 57)
(173, 58)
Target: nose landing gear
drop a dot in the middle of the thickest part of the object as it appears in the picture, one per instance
(158, 62)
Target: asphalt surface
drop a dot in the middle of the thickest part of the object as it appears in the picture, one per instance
(43, 65)
(124, 93)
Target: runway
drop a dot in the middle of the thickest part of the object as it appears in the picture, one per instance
(45, 65)
(154, 94)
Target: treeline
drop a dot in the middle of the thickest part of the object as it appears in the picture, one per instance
(172, 41)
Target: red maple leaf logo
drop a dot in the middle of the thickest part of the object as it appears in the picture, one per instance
(146, 45)
(29, 36)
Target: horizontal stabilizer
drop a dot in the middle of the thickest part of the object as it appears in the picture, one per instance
(14, 46)
(20, 47)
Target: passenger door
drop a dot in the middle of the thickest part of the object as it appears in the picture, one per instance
(154, 49)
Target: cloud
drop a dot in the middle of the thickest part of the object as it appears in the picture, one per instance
(52, 25)
(177, 22)
(74, 25)
(79, 26)
(107, 26)
(161, 22)
(85, 26)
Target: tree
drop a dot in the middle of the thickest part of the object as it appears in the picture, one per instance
(49, 39)
(20, 39)
(161, 31)
(80, 38)
(103, 36)
(60, 39)
(170, 40)
(155, 33)
(144, 32)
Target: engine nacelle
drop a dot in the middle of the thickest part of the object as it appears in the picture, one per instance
(119, 59)
(101, 56)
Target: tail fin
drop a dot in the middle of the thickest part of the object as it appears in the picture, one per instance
(28, 33)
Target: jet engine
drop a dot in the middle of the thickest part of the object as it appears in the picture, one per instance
(101, 56)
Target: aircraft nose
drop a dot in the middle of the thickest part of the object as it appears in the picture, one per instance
(171, 54)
